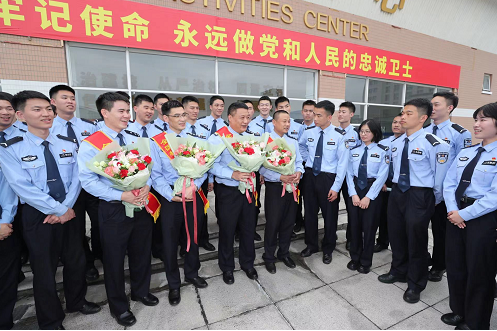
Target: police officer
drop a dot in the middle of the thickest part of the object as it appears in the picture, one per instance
(470, 192)
(281, 214)
(346, 112)
(172, 216)
(382, 241)
(420, 163)
(65, 123)
(296, 129)
(457, 137)
(261, 122)
(326, 165)
(41, 168)
(234, 207)
(119, 233)
(366, 173)
(159, 100)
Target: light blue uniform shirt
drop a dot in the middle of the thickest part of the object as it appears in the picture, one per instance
(160, 123)
(483, 186)
(23, 164)
(8, 200)
(152, 129)
(200, 131)
(296, 129)
(20, 125)
(335, 154)
(257, 125)
(94, 184)
(207, 122)
(81, 128)
(454, 135)
(272, 176)
(351, 137)
(13, 131)
(428, 161)
(378, 161)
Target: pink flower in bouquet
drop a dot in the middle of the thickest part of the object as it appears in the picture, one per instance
(132, 169)
(240, 151)
(275, 148)
(109, 171)
(275, 163)
(286, 159)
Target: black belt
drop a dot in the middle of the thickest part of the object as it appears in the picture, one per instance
(321, 172)
(114, 201)
(370, 180)
(415, 187)
(468, 201)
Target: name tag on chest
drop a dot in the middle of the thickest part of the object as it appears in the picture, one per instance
(65, 155)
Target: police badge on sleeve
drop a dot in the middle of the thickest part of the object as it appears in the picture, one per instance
(442, 157)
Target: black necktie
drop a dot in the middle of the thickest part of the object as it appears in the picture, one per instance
(435, 128)
(121, 139)
(178, 136)
(144, 134)
(265, 122)
(214, 128)
(390, 170)
(55, 185)
(165, 126)
(193, 130)
(318, 158)
(70, 133)
(466, 176)
(2, 137)
(362, 176)
(404, 179)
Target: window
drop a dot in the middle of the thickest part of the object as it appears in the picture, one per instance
(419, 91)
(378, 92)
(300, 84)
(487, 79)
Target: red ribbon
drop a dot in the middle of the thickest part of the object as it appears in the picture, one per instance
(183, 200)
(294, 191)
(251, 183)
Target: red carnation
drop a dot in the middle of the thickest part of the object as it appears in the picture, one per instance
(141, 166)
(249, 150)
(111, 155)
(186, 153)
(283, 151)
(147, 159)
(134, 151)
(123, 173)
(281, 161)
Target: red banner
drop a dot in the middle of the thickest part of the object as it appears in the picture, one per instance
(136, 25)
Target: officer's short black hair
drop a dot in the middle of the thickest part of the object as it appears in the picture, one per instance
(57, 88)
(247, 101)
(124, 94)
(374, 127)
(278, 113)
(309, 103)
(488, 110)
(189, 98)
(266, 98)
(449, 97)
(349, 105)
(167, 106)
(327, 105)
(235, 106)
(107, 100)
(160, 96)
(398, 115)
(280, 100)
(214, 98)
(423, 106)
(19, 99)
(6, 96)
(142, 97)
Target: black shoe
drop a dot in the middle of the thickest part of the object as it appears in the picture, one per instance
(237, 237)
(297, 228)
(257, 237)
(353, 265)
(452, 319)
(379, 247)
(228, 277)
(327, 258)
(270, 267)
(288, 262)
(363, 270)
(411, 296)
(24, 258)
(462, 326)
(307, 252)
(347, 246)
(157, 255)
(435, 275)
(208, 247)
(91, 273)
(293, 236)
(148, 300)
(61, 327)
(182, 252)
(251, 273)
(21, 277)
(198, 282)
(174, 297)
(88, 308)
(390, 279)
(125, 319)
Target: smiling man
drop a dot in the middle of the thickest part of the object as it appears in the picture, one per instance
(143, 123)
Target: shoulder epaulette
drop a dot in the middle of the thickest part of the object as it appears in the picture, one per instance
(383, 147)
(132, 133)
(227, 124)
(356, 146)
(299, 120)
(201, 117)
(158, 127)
(427, 125)
(131, 121)
(11, 141)
(253, 118)
(458, 128)
(290, 136)
(471, 146)
(249, 132)
(22, 130)
(431, 138)
(88, 121)
(152, 122)
(395, 139)
(67, 138)
(205, 126)
(342, 132)
(311, 127)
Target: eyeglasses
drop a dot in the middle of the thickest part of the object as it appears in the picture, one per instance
(178, 115)
(364, 132)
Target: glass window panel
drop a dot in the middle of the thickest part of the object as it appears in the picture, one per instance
(354, 89)
(444, 89)
(98, 68)
(86, 104)
(383, 92)
(417, 91)
(385, 116)
(250, 79)
(300, 84)
(172, 73)
(358, 115)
